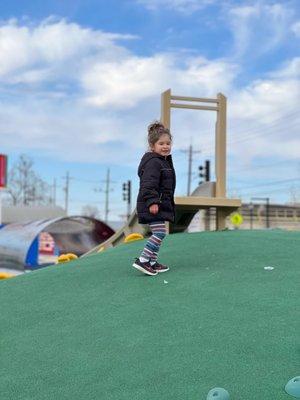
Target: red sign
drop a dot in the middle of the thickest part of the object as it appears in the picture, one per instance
(3, 170)
(46, 243)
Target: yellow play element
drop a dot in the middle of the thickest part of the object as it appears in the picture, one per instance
(64, 258)
(101, 249)
(72, 256)
(6, 275)
(132, 237)
(236, 219)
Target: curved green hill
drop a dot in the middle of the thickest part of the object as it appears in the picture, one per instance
(96, 328)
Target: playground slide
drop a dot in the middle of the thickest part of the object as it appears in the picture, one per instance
(183, 219)
(131, 226)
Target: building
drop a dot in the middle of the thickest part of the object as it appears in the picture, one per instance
(255, 216)
(12, 214)
(32, 244)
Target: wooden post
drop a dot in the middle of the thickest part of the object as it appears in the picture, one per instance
(166, 108)
(220, 169)
(165, 118)
(220, 219)
(221, 215)
(168, 101)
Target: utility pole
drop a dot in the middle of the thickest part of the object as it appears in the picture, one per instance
(107, 182)
(106, 191)
(66, 189)
(54, 192)
(190, 152)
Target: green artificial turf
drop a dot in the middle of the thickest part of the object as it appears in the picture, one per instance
(96, 328)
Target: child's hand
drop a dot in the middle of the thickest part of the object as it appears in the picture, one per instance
(153, 209)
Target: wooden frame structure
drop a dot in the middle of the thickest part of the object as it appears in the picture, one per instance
(223, 205)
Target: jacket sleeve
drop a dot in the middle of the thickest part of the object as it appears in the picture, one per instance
(149, 182)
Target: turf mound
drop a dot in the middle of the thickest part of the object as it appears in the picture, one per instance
(95, 328)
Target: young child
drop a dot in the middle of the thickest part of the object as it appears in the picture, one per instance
(155, 201)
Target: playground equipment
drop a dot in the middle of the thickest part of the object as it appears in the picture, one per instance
(210, 194)
(5, 275)
(63, 258)
(20, 242)
(133, 237)
(187, 206)
(217, 394)
(293, 387)
(132, 226)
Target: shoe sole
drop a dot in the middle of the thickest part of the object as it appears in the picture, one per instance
(143, 270)
(164, 270)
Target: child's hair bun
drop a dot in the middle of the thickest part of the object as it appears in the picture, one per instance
(156, 126)
(155, 130)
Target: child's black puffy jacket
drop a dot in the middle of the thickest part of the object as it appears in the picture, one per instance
(157, 186)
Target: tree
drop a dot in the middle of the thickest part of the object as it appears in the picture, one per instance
(24, 186)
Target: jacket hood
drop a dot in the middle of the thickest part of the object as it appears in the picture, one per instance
(148, 156)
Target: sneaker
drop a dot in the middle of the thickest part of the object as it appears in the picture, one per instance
(144, 267)
(160, 267)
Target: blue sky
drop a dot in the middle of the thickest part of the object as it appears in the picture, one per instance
(81, 80)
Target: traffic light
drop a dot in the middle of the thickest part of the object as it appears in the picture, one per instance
(127, 196)
(124, 186)
(127, 191)
(204, 172)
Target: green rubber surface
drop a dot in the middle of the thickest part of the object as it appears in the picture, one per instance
(96, 328)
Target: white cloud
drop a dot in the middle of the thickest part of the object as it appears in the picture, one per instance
(258, 28)
(90, 97)
(135, 79)
(266, 100)
(296, 28)
(263, 116)
(208, 77)
(103, 72)
(289, 70)
(51, 49)
(185, 6)
(68, 127)
(125, 83)
(65, 131)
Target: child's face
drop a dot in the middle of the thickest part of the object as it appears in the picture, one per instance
(163, 145)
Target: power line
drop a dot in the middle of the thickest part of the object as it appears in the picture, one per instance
(270, 124)
(287, 114)
(106, 191)
(66, 189)
(85, 180)
(263, 130)
(266, 165)
(264, 192)
(267, 184)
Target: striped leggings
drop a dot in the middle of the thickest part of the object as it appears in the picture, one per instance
(158, 230)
